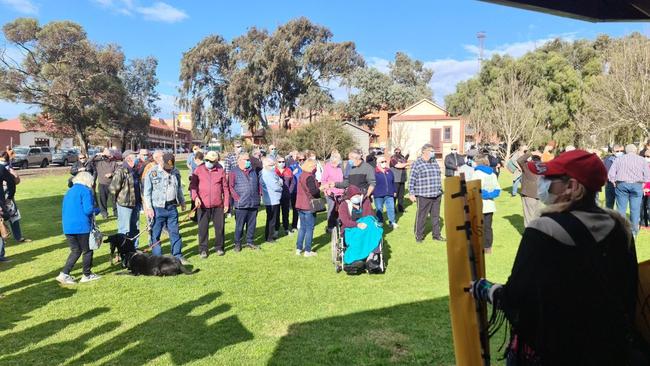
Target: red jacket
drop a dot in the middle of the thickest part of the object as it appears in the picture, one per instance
(346, 217)
(211, 186)
(307, 190)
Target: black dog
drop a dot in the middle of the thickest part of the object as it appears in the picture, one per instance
(139, 263)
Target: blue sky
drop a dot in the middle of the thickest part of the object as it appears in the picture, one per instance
(440, 33)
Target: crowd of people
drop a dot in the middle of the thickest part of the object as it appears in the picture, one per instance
(576, 261)
(236, 186)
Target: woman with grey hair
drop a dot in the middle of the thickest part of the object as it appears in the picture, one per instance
(77, 217)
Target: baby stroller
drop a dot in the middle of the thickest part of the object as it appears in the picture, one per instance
(374, 261)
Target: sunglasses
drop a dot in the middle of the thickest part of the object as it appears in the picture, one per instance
(301, 159)
(280, 161)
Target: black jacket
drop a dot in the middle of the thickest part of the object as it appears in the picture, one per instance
(6, 178)
(572, 292)
(452, 162)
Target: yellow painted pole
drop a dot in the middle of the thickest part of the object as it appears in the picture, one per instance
(464, 229)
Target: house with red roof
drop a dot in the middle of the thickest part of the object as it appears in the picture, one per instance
(425, 122)
(14, 132)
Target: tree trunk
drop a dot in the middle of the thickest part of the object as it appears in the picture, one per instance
(123, 138)
(83, 143)
(508, 149)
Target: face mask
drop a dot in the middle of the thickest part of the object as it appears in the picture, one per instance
(543, 185)
(383, 165)
(647, 158)
(453, 151)
(248, 164)
(209, 164)
(136, 161)
(356, 200)
(351, 163)
(281, 165)
(618, 154)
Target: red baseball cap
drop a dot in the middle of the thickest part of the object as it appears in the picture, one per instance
(585, 167)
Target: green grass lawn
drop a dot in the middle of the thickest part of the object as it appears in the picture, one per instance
(251, 308)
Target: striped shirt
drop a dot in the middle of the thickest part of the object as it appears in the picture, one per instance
(425, 179)
(630, 168)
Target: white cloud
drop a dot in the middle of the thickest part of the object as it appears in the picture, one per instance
(517, 49)
(379, 64)
(21, 6)
(167, 105)
(158, 11)
(449, 72)
(162, 12)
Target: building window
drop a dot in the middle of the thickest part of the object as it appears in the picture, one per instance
(446, 134)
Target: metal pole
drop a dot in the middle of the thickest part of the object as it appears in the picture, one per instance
(174, 133)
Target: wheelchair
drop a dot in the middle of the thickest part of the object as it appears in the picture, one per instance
(373, 264)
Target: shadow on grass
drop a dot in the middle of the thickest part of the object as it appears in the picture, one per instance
(517, 221)
(30, 298)
(14, 342)
(184, 337)
(33, 210)
(414, 333)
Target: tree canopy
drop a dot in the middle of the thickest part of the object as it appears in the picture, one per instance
(74, 82)
(261, 72)
(406, 82)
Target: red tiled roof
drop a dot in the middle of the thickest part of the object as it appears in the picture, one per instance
(155, 123)
(13, 125)
(430, 117)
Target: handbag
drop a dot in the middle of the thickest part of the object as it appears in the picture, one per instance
(95, 237)
(4, 233)
(317, 205)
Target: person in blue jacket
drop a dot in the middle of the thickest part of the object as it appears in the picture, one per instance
(384, 192)
(77, 216)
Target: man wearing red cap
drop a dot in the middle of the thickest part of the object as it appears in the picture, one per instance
(571, 296)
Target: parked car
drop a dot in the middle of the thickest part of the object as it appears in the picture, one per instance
(32, 155)
(93, 151)
(64, 157)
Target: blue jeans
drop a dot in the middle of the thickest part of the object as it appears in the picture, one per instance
(389, 201)
(128, 221)
(515, 185)
(167, 216)
(632, 192)
(2, 249)
(306, 232)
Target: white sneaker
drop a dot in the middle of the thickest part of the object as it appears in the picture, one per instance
(298, 252)
(310, 254)
(394, 225)
(90, 277)
(65, 279)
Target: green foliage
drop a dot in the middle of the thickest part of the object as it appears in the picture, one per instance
(74, 82)
(406, 83)
(322, 136)
(139, 81)
(561, 71)
(259, 72)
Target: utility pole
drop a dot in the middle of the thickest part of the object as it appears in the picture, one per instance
(174, 128)
(481, 43)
